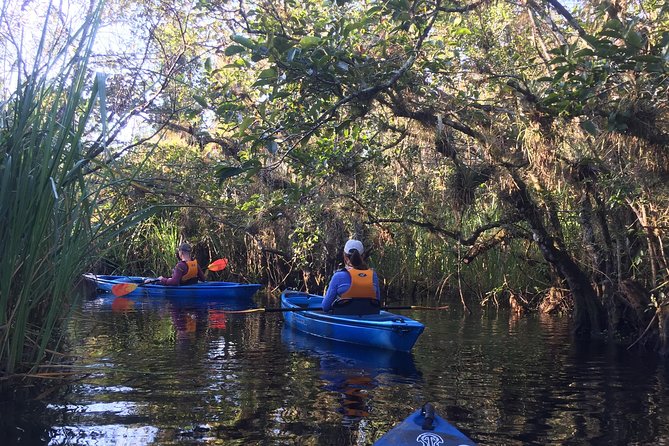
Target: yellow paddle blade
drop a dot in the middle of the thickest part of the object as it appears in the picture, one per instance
(121, 289)
(250, 310)
(418, 307)
(218, 265)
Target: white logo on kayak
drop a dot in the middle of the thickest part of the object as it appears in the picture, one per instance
(429, 439)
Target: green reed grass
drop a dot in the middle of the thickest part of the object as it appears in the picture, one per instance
(420, 266)
(158, 240)
(46, 204)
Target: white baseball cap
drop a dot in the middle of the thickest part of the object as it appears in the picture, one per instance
(353, 244)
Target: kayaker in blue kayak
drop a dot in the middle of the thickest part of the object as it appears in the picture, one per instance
(354, 289)
(187, 271)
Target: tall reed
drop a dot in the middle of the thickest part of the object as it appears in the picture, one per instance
(46, 204)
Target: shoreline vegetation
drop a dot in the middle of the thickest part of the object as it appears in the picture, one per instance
(495, 155)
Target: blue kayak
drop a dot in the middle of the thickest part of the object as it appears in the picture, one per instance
(105, 301)
(383, 330)
(210, 290)
(424, 427)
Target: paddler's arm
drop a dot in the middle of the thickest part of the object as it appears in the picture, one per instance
(340, 279)
(177, 274)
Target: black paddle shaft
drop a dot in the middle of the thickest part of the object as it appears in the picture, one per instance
(285, 310)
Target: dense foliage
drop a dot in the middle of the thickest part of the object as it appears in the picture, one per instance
(488, 151)
(486, 147)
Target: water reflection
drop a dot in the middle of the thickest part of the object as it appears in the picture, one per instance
(172, 372)
(105, 301)
(354, 372)
(335, 355)
(122, 304)
(117, 435)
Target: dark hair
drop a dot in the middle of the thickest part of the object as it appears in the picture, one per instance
(356, 259)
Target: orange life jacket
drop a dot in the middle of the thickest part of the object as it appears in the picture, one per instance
(362, 284)
(191, 272)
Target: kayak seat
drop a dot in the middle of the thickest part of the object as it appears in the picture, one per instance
(355, 306)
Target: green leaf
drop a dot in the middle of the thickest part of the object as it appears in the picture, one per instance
(280, 95)
(246, 122)
(656, 68)
(352, 27)
(245, 41)
(200, 100)
(592, 40)
(263, 82)
(267, 73)
(309, 41)
(613, 24)
(234, 49)
(225, 172)
(584, 52)
(560, 72)
(251, 167)
(589, 127)
(634, 39)
(648, 58)
(226, 107)
(552, 98)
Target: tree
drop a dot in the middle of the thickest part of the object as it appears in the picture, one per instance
(524, 116)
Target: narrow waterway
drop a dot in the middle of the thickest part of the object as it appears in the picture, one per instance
(181, 372)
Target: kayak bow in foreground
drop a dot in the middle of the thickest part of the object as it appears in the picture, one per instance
(424, 428)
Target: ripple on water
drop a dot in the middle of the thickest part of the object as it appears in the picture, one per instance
(167, 375)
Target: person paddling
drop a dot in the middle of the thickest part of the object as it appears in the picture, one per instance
(186, 272)
(355, 288)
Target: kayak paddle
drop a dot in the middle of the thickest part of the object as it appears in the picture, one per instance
(284, 310)
(121, 289)
(218, 265)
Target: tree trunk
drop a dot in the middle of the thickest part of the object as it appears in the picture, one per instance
(587, 307)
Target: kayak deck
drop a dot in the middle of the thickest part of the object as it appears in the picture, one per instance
(424, 427)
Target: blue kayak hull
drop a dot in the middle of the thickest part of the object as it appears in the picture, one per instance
(210, 290)
(413, 431)
(384, 330)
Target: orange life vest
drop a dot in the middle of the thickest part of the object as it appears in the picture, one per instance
(362, 284)
(191, 272)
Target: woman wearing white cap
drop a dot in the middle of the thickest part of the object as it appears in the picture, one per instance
(354, 289)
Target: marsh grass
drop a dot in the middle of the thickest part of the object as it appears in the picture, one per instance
(422, 267)
(153, 245)
(46, 203)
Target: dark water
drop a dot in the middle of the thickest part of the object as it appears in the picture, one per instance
(176, 372)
